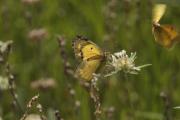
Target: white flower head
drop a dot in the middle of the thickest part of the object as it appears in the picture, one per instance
(120, 61)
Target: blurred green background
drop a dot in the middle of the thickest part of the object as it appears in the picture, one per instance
(112, 24)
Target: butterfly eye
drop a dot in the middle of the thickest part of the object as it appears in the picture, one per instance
(91, 48)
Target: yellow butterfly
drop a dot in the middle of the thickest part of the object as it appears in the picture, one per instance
(165, 35)
(90, 55)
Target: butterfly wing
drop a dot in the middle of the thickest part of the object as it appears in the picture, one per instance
(85, 49)
(157, 12)
(171, 31)
(78, 43)
(90, 55)
(91, 52)
(165, 35)
(86, 69)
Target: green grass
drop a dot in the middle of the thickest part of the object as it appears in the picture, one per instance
(32, 60)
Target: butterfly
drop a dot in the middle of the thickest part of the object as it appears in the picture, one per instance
(165, 35)
(90, 56)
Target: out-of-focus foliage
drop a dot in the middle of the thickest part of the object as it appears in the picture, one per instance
(34, 26)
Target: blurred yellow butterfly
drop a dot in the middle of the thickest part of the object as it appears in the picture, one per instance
(90, 56)
(165, 35)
